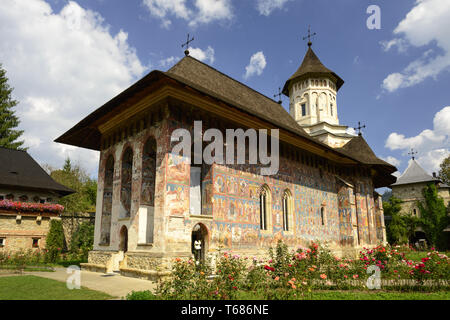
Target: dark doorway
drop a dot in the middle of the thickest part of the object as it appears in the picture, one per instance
(199, 242)
(123, 244)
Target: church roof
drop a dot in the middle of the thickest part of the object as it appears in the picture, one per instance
(312, 66)
(414, 174)
(19, 170)
(207, 80)
(358, 147)
(217, 84)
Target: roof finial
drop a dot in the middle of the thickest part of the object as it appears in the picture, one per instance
(412, 153)
(359, 128)
(309, 36)
(279, 94)
(186, 44)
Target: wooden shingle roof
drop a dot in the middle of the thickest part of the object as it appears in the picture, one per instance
(312, 66)
(19, 170)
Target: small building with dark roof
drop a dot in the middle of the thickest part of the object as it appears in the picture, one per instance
(154, 205)
(28, 200)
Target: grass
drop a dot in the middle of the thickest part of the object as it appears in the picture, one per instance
(37, 288)
(418, 255)
(361, 295)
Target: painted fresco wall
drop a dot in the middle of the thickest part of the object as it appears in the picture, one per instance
(230, 200)
(145, 180)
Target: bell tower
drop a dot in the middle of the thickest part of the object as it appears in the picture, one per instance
(312, 92)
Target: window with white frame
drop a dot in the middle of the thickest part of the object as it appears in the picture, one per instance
(2, 242)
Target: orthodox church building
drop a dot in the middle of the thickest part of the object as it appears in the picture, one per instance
(154, 205)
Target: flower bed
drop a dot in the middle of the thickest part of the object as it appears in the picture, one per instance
(30, 207)
(294, 274)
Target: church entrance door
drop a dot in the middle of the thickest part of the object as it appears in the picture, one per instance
(123, 244)
(199, 242)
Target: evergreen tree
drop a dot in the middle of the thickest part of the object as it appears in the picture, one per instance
(76, 178)
(55, 242)
(8, 121)
(433, 216)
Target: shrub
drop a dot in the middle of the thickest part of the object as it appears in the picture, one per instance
(55, 240)
(82, 241)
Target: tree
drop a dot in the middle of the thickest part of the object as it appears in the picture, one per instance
(8, 121)
(433, 216)
(401, 226)
(444, 172)
(386, 195)
(76, 178)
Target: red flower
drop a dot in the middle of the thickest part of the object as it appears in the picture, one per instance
(269, 268)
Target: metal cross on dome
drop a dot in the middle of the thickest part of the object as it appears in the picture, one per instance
(309, 36)
(412, 153)
(279, 94)
(186, 44)
(359, 128)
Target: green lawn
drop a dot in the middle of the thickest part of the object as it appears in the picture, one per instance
(418, 255)
(37, 288)
(362, 295)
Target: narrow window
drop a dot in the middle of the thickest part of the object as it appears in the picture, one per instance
(2, 197)
(196, 190)
(262, 199)
(2, 242)
(331, 110)
(264, 208)
(303, 110)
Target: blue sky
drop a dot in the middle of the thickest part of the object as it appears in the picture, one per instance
(66, 58)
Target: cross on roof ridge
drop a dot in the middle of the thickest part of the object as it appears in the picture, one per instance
(279, 94)
(412, 153)
(186, 44)
(309, 36)
(359, 128)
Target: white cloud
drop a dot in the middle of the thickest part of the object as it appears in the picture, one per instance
(351, 131)
(427, 22)
(62, 66)
(392, 160)
(256, 65)
(265, 7)
(168, 62)
(432, 145)
(199, 12)
(203, 55)
(401, 44)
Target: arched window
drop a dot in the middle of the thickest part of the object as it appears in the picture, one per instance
(287, 210)
(105, 228)
(127, 172)
(264, 208)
